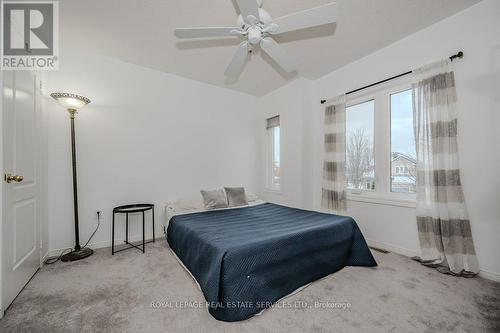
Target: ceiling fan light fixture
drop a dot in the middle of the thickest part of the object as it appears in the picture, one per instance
(254, 35)
(257, 26)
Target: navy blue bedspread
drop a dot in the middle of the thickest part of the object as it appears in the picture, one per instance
(247, 258)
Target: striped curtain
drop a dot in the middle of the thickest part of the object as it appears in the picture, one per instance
(443, 223)
(333, 195)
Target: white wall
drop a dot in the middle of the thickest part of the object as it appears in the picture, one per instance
(287, 102)
(475, 31)
(147, 136)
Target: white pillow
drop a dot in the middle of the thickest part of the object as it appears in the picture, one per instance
(251, 197)
(195, 202)
(236, 196)
(214, 199)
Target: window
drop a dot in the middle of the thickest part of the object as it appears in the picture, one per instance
(360, 163)
(380, 145)
(403, 154)
(273, 155)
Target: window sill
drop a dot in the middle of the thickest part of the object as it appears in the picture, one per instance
(381, 200)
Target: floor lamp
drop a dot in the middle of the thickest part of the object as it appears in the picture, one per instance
(73, 103)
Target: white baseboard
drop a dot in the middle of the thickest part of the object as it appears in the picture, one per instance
(392, 248)
(104, 244)
(489, 275)
(410, 253)
(44, 257)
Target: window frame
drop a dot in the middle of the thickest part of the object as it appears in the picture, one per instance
(351, 103)
(403, 170)
(382, 147)
(270, 185)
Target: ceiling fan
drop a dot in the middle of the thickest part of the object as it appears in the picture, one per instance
(257, 26)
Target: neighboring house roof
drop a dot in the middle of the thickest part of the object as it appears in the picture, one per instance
(409, 158)
(403, 180)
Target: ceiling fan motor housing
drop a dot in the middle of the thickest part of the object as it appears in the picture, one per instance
(254, 35)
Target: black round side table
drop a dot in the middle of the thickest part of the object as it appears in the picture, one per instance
(130, 209)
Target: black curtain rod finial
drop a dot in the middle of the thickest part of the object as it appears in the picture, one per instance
(458, 55)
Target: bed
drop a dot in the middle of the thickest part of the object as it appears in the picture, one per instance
(245, 259)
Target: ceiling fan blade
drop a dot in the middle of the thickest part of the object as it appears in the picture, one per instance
(206, 32)
(238, 61)
(278, 53)
(306, 19)
(249, 8)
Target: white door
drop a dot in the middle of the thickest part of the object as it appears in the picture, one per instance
(20, 227)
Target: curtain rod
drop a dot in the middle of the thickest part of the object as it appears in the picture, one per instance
(453, 57)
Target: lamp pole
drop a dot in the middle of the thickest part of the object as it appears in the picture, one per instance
(72, 103)
(78, 252)
(72, 113)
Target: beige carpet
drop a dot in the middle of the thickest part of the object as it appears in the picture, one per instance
(107, 293)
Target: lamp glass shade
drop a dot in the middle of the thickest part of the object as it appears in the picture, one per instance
(70, 101)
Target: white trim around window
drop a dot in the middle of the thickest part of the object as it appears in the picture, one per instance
(273, 158)
(382, 148)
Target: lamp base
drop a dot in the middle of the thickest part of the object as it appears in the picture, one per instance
(77, 254)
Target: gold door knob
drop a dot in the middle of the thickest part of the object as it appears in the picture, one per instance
(9, 178)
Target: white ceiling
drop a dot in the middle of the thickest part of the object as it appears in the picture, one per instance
(141, 32)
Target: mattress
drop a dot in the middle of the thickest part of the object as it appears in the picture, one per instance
(246, 259)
